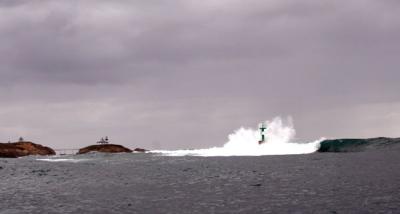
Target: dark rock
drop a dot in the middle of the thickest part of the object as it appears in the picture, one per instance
(25, 148)
(106, 148)
(256, 185)
(140, 150)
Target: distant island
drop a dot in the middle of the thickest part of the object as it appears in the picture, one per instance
(23, 148)
(105, 147)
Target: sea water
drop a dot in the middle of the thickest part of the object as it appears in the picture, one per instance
(280, 176)
(363, 182)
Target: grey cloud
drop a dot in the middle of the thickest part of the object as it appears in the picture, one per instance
(201, 67)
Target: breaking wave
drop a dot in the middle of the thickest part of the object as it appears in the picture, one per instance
(279, 140)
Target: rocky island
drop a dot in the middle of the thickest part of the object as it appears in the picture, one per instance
(23, 148)
(103, 145)
(107, 148)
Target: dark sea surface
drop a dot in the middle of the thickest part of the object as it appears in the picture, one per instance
(358, 182)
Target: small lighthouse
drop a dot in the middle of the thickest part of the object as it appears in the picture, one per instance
(262, 130)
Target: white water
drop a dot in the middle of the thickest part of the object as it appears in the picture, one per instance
(279, 140)
(63, 160)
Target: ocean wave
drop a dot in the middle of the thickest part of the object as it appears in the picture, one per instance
(279, 140)
(358, 145)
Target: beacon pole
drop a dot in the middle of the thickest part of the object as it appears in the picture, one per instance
(262, 130)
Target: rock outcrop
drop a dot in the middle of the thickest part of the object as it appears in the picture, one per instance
(24, 148)
(140, 150)
(107, 148)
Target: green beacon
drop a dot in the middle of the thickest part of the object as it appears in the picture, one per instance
(262, 130)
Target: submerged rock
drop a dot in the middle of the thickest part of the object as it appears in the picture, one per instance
(107, 148)
(24, 148)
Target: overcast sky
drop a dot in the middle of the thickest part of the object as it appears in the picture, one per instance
(186, 73)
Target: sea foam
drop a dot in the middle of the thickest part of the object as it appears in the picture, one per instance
(280, 140)
(62, 160)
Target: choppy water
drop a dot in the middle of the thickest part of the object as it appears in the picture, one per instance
(364, 182)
